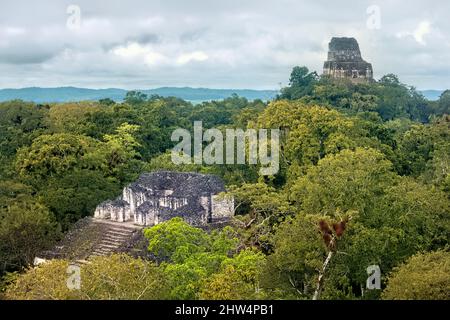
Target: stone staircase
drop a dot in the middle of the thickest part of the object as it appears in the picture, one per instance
(92, 237)
(115, 236)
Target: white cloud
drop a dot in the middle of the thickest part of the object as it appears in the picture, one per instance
(421, 31)
(153, 58)
(151, 22)
(14, 31)
(235, 43)
(131, 50)
(136, 53)
(192, 56)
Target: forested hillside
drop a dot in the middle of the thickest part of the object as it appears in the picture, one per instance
(364, 180)
(69, 94)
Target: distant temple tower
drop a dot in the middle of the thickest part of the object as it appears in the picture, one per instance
(345, 61)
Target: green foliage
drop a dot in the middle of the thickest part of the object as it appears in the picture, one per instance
(42, 283)
(362, 103)
(197, 262)
(217, 113)
(121, 158)
(310, 132)
(71, 173)
(119, 277)
(349, 180)
(388, 97)
(298, 254)
(135, 97)
(26, 228)
(423, 277)
(417, 145)
(391, 218)
(20, 123)
(374, 155)
(176, 240)
(444, 103)
(75, 194)
(69, 157)
(238, 279)
(54, 155)
(301, 83)
(266, 208)
(116, 277)
(71, 117)
(438, 168)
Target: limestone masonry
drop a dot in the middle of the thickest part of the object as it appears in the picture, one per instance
(345, 61)
(160, 196)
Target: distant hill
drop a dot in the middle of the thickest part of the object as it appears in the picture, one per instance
(67, 94)
(432, 94)
(195, 95)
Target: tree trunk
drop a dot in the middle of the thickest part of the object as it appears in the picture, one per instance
(321, 276)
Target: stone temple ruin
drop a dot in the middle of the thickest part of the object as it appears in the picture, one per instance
(155, 197)
(345, 61)
(160, 196)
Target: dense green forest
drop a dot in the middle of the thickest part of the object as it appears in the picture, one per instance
(364, 180)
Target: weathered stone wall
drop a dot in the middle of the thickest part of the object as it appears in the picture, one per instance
(120, 214)
(205, 202)
(222, 207)
(117, 210)
(163, 195)
(135, 199)
(102, 212)
(171, 202)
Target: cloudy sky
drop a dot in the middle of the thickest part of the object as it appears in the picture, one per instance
(218, 44)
